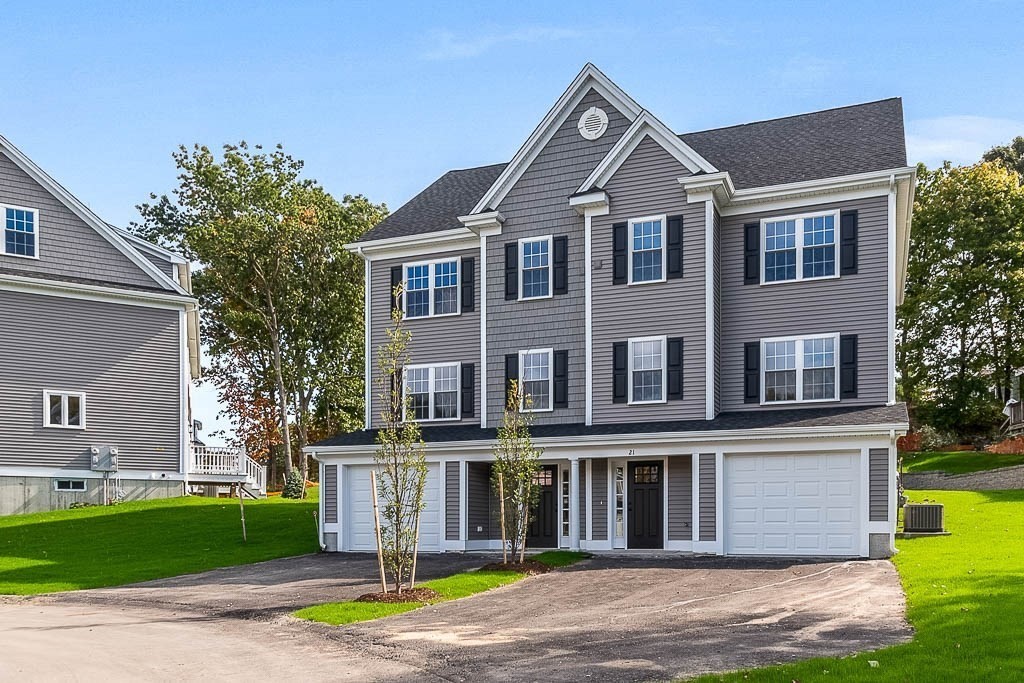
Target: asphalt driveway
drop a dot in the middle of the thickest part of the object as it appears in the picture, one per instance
(609, 618)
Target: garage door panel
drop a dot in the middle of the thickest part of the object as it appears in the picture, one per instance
(358, 521)
(776, 515)
(776, 489)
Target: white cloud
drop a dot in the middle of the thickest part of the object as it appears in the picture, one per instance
(445, 45)
(960, 139)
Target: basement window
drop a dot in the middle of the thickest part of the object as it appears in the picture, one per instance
(69, 485)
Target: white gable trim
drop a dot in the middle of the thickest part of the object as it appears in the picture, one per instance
(589, 78)
(145, 245)
(645, 125)
(87, 216)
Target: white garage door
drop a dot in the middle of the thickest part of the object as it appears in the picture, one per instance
(358, 519)
(792, 504)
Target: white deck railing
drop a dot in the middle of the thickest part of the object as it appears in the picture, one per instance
(225, 460)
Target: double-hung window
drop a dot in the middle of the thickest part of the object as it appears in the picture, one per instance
(647, 370)
(537, 380)
(432, 289)
(800, 247)
(647, 250)
(800, 369)
(535, 267)
(64, 409)
(432, 392)
(20, 232)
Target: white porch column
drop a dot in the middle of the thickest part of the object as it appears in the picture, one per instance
(574, 503)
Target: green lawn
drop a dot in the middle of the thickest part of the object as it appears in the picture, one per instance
(958, 462)
(109, 546)
(450, 588)
(965, 597)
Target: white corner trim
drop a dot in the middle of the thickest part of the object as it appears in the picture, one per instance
(87, 216)
(645, 125)
(367, 344)
(709, 310)
(890, 282)
(185, 398)
(482, 288)
(589, 77)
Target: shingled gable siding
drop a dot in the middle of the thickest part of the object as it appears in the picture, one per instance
(67, 248)
(448, 339)
(536, 206)
(125, 358)
(851, 304)
(646, 184)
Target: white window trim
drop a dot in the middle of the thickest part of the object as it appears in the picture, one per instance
(551, 381)
(63, 409)
(798, 218)
(551, 267)
(664, 252)
(430, 287)
(431, 380)
(800, 367)
(85, 485)
(664, 369)
(3, 230)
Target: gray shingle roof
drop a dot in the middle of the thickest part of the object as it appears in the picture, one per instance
(761, 419)
(823, 144)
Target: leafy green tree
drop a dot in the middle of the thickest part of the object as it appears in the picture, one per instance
(1010, 156)
(517, 462)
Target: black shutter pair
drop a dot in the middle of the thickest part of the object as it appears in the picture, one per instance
(559, 376)
(847, 248)
(847, 369)
(673, 368)
(467, 282)
(559, 268)
(468, 390)
(673, 250)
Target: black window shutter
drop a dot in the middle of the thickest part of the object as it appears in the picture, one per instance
(468, 283)
(751, 253)
(674, 251)
(848, 243)
(848, 366)
(674, 366)
(560, 265)
(468, 390)
(511, 271)
(752, 372)
(620, 373)
(511, 372)
(396, 279)
(619, 254)
(560, 377)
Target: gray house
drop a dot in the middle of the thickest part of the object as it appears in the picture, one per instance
(101, 337)
(704, 323)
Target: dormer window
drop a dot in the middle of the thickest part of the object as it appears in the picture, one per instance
(20, 232)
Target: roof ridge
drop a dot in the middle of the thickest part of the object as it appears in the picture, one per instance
(475, 168)
(791, 116)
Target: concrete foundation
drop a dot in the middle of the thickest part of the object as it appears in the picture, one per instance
(19, 495)
(878, 546)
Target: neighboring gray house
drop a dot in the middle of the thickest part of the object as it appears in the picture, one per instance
(704, 322)
(100, 336)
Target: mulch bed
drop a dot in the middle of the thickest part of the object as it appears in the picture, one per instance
(414, 595)
(530, 567)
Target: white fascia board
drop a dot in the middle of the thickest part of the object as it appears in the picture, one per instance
(412, 245)
(589, 77)
(757, 195)
(145, 245)
(75, 290)
(904, 216)
(86, 215)
(645, 125)
(584, 203)
(488, 223)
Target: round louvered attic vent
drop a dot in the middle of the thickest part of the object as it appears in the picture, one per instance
(593, 123)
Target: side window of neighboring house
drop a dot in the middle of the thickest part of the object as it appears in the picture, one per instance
(432, 289)
(64, 409)
(800, 247)
(535, 268)
(20, 232)
(647, 250)
(432, 392)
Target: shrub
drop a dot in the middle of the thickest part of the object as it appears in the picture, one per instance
(294, 486)
(909, 443)
(1012, 446)
(933, 439)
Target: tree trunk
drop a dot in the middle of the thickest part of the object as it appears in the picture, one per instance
(282, 400)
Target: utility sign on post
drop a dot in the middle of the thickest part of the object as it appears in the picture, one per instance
(104, 458)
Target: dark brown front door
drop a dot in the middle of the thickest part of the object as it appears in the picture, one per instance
(644, 509)
(543, 530)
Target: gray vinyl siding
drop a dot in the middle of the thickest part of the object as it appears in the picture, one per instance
(680, 498)
(126, 359)
(482, 506)
(165, 266)
(599, 499)
(537, 206)
(878, 484)
(68, 248)
(448, 339)
(330, 494)
(583, 499)
(717, 283)
(451, 500)
(647, 184)
(707, 497)
(851, 304)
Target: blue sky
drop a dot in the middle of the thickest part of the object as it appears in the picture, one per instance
(380, 98)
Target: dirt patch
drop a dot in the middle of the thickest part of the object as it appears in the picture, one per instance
(409, 595)
(529, 567)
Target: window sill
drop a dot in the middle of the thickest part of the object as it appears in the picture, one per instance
(80, 428)
(646, 282)
(647, 403)
(798, 402)
(30, 258)
(408, 318)
(538, 410)
(801, 279)
(536, 298)
(434, 419)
